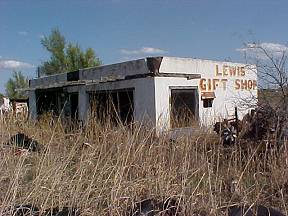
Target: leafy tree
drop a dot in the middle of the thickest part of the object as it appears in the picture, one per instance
(17, 81)
(65, 57)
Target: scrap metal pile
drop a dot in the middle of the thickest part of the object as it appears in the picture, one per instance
(20, 144)
(261, 124)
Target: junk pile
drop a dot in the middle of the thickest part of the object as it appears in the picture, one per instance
(23, 144)
(148, 207)
(258, 210)
(260, 124)
(171, 207)
(31, 210)
(5, 106)
(17, 107)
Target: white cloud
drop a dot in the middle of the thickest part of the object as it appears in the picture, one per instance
(41, 36)
(14, 64)
(23, 33)
(257, 50)
(143, 51)
(127, 58)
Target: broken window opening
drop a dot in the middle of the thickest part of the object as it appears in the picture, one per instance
(208, 102)
(207, 98)
(57, 102)
(184, 107)
(48, 102)
(115, 106)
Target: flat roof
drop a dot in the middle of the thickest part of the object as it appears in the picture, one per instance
(139, 68)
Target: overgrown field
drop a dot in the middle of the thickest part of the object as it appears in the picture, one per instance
(103, 170)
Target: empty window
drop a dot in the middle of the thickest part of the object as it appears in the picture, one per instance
(48, 101)
(207, 102)
(57, 102)
(114, 105)
(184, 107)
(207, 98)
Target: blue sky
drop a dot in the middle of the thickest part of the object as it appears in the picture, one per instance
(120, 30)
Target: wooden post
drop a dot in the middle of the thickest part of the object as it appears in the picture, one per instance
(236, 121)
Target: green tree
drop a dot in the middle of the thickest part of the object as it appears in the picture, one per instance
(64, 57)
(18, 81)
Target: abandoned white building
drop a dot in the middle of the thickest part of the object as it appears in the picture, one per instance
(166, 92)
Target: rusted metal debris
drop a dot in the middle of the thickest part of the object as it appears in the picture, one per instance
(22, 210)
(23, 142)
(150, 207)
(262, 123)
(227, 131)
(258, 210)
(31, 210)
(65, 211)
(171, 207)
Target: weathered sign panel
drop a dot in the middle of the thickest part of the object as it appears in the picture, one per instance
(223, 74)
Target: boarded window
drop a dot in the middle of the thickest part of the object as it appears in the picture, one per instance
(184, 107)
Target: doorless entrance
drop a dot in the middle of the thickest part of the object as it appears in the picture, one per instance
(183, 107)
(114, 105)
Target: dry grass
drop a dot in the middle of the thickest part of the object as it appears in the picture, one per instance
(103, 169)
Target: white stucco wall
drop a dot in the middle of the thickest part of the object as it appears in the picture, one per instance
(152, 94)
(227, 91)
(162, 97)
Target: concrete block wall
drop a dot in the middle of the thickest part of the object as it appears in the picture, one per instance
(121, 69)
(48, 80)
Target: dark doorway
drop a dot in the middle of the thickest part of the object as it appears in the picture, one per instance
(73, 99)
(48, 101)
(184, 107)
(115, 105)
